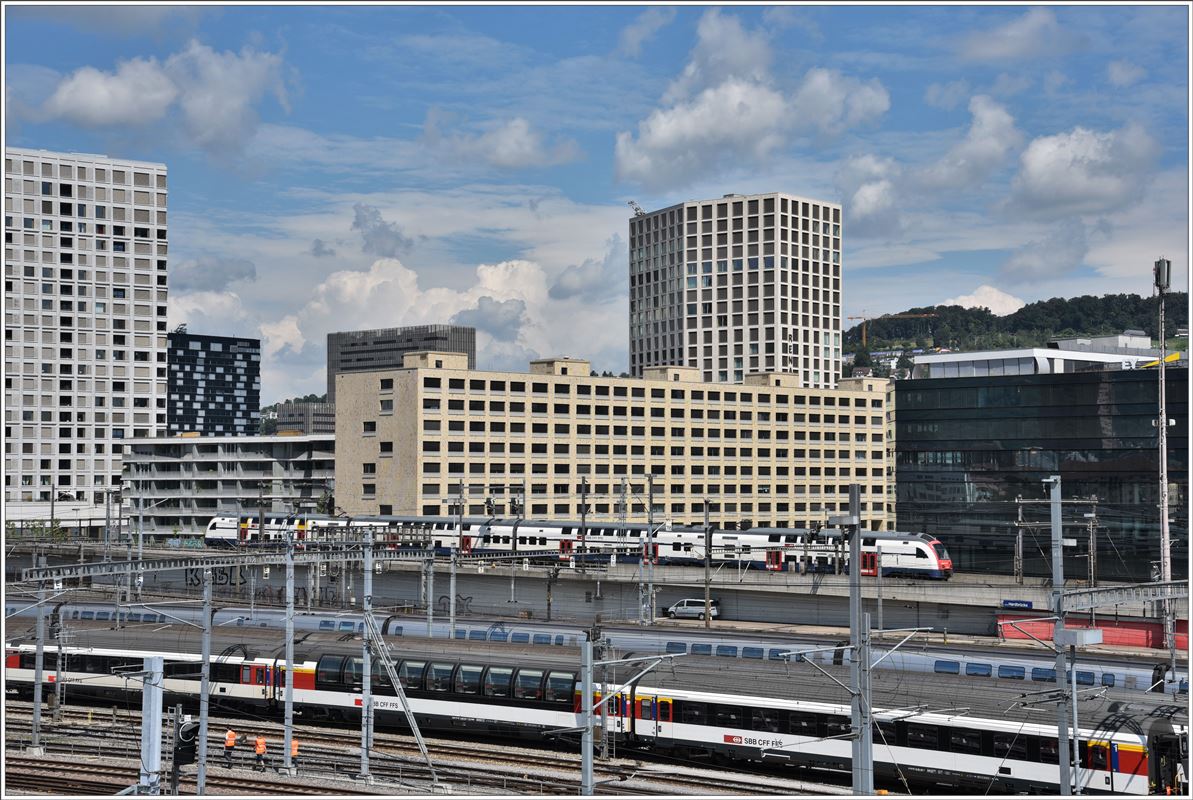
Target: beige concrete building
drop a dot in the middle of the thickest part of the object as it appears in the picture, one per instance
(765, 451)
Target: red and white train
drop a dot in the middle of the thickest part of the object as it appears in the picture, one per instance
(1129, 749)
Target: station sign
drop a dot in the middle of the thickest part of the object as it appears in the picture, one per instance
(1021, 604)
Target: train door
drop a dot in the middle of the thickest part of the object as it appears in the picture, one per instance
(1164, 753)
(869, 564)
(774, 560)
(646, 717)
(565, 548)
(465, 545)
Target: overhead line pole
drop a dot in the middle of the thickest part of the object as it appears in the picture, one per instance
(1163, 269)
(39, 665)
(204, 686)
(366, 695)
(1058, 586)
(289, 734)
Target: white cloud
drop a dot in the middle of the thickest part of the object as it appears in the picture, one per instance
(1083, 171)
(947, 95)
(1061, 250)
(137, 93)
(213, 312)
(724, 51)
(596, 278)
(1036, 33)
(996, 300)
(509, 145)
(1124, 73)
(830, 102)
(991, 137)
(1008, 85)
(210, 272)
(216, 94)
(644, 27)
(868, 185)
(1157, 225)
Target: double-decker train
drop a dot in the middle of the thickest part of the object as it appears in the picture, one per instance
(916, 555)
(1123, 748)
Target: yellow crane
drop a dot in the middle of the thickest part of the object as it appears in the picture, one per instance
(866, 319)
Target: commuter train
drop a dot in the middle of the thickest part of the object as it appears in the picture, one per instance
(915, 555)
(980, 665)
(1122, 750)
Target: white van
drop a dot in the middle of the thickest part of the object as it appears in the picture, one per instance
(692, 609)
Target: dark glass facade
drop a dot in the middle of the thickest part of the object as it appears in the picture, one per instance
(384, 348)
(215, 385)
(966, 447)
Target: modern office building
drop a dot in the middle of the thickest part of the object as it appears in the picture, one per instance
(85, 293)
(767, 451)
(306, 418)
(1128, 350)
(744, 284)
(967, 447)
(383, 348)
(181, 482)
(215, 384)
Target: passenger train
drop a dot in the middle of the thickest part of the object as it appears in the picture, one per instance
(982, 665)
(915, 555)
(1122, 750)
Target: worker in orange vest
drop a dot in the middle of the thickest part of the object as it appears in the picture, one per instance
(230, 738)
(260, 750)
(294, 754)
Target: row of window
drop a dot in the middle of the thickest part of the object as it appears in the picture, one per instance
(344, 673)
(1017, 673)
(116, 175)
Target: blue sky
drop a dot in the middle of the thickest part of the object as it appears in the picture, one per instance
(337, 167)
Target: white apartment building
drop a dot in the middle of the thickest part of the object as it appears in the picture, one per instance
(85, 288)
(744, 284)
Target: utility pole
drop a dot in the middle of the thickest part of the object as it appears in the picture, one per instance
(1058, 587)
(366, 688)
(451, 591)
(1163, 270)
(653, 554)
(707, 569)
(39, 658)
(586, 777)
(289, 735)
(107, 522)
(151, 727)
(859, 664)
(204, 686)
(583, 514)
(430, 565)
(878, 587)
(140, 534)
(1019, 541)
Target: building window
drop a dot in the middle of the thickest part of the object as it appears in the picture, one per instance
(369, 490)
(369, 468)
(370, 427)
(387, 449)
(387, 406)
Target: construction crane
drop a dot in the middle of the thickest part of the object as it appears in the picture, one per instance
(638, 212)
(866, 319)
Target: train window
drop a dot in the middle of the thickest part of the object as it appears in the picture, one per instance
(1012, 673)
(542, 638)
(224, 673)
(926, 737)
(354, 670)
(347, 627)
(693, 713)
(88, 615)
(1086, 678)
(1108, 679)
(728, 650)
(727, 716)
(838, 727)
(1010, 746)
(498, 636)
(410, 673)
(478, 636)
(520, 637)
(664, 711)
(246, 674)
(327, 625)
(702, 649)
(560, 687)
(1042, 674)
(676, 647)
(965, 741)
(751, 652)
(559, 640)
(947, 667)
(260, 672)
(381, 681)
(978, 670)
(776, 655)
(461, 633)
(645, 709)
(1183, 687)
(396, 630)
(920, 553)
(803, 723)
(328, 669)
(468, 678)
(134, 617)
(529, 684)
(886, 733)
(1048, 751)
(440, 677)
(765, 719)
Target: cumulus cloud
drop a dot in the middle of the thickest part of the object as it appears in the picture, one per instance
(595, 279)
(319, 249)
(868, 184)
(378, 237)
(210, 273)
(1124, 73)
(1083, 171)
(991, 137)
(947, 95)
(724, 51)
(830, 102)
(1061, 250)
(501, 319)
(213, 312)
(996, 301)
(643, 28)
(513, 144)
(215, 93)
(1036, 33)
(125, 21)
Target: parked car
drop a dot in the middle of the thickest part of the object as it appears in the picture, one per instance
(692, 609)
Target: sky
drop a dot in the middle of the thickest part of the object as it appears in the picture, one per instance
(338, 168)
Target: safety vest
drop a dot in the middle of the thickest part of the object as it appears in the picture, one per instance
(230, 739)
(260, 745)
(293, 748)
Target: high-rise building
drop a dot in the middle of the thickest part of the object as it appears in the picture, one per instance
(746, 283)
(215, 384)
(85, 252)
(383, 348)
(766, 452)
(306, 418)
